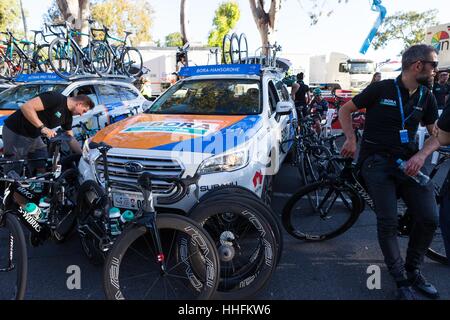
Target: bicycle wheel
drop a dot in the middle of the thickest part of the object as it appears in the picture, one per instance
(253, 201)
(41, 58)
(131, 269)
(246, 244)
(131, 60)
(243, 54)
(63, 58)
(436, 251)
(101, 57)
(226, 44)
(234, 49)
(321, 211)
(13, 259)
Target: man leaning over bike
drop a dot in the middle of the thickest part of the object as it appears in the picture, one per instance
(394, 110)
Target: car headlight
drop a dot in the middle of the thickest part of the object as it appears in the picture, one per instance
(225, 162)
(85, 150)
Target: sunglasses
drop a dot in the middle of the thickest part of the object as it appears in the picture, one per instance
(434, 64)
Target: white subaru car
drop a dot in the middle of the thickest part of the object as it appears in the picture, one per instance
(225, 123)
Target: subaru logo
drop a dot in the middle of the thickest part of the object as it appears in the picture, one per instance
(134, 167)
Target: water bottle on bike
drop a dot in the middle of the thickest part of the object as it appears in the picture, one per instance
(420, 178)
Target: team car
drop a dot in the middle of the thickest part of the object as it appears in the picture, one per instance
(114, 99)
(225, 123)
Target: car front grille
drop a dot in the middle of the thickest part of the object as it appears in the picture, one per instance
(156, 166)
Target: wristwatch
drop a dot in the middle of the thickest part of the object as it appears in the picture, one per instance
(41, 127)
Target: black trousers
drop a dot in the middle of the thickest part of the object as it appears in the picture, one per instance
(385, 182)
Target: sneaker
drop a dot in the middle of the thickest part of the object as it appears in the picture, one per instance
(405, 293)
(418, 282)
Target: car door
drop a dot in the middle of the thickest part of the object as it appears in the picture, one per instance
(88, 117)
(285, 121)
(111, 101)
(274, 128)
(133, 103)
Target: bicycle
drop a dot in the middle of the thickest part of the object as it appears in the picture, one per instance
(338, 199)
(66, 57)
(120, 59)
(56, 222)
(182, 254)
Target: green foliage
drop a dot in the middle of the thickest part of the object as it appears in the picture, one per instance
(408, 27)
(125, 15)
(10, 15)
(174, 40)
(227, 15)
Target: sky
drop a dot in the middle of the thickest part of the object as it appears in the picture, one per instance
(343, 31)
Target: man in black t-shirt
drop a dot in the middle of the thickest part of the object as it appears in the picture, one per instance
(394, 110)
(22, 130)
(441, 90)
(300, 95)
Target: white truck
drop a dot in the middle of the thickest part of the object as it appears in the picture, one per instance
(338, 70)
(162, 65)
(439, 37)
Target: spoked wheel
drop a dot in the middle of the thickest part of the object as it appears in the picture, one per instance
(226, 45)
(131, 62)
(41, 58)
(246, 244)
(101, 57)
(13, 259)
(243, 44)
(234, 49)
(321, 211)
(133, 266)
(63, 58)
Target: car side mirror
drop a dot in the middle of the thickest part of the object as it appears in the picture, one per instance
(284, 108)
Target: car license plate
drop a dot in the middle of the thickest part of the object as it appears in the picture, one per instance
(127, 200)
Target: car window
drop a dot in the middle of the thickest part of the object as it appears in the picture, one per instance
(273, 97)
(282, 91)
(13, 98)
(216, 97)
(86, 90)
(127, 93)
(109, 94)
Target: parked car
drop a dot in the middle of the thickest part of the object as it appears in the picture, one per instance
(114, 99)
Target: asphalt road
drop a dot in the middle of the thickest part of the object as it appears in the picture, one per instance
(335, 270)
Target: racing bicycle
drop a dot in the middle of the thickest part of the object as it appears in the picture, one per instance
(157, 255)
(324, 210)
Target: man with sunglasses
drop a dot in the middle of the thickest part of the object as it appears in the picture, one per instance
(395, 108)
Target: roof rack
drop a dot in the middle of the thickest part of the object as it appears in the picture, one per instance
(53, 77)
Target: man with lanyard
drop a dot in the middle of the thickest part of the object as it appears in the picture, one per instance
(300, 95)
(394, 110)
(22, 130)
(441, 89)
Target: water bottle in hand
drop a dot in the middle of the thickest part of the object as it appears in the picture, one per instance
(420, 178)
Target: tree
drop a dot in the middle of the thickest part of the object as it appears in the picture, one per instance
(408, 27)
(125, 15)
(53, 14)
(76, 12)
(227, 15)
(174, 40)
(184, 36)
(9, 14)
(24, 19)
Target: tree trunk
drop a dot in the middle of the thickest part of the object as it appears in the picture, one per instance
(76, 12)
(265, 21)
(24, 20)
(183, 32)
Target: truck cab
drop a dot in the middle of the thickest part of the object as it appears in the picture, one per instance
(223, 122)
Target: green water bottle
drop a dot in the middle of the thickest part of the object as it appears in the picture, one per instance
(114, 218)
(127, 216)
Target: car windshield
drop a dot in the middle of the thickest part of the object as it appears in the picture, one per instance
(361, 68)
(13, 98)
(210, 97)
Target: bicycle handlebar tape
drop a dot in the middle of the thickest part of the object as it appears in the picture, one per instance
(376, 6)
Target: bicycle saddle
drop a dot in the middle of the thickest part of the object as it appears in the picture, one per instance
(128, 33)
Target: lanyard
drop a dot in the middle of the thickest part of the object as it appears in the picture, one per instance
(400, 100)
